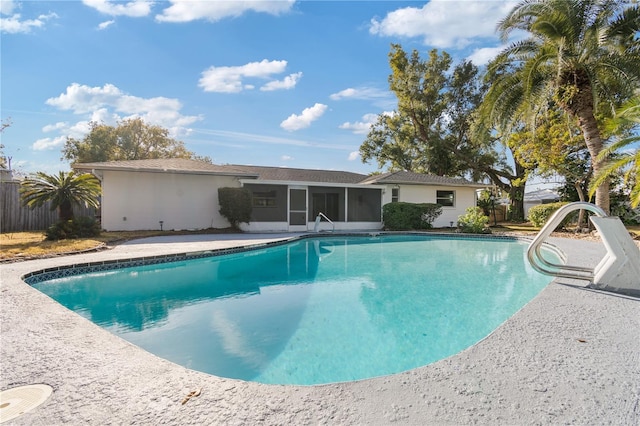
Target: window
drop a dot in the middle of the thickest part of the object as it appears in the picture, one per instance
(445, 198)
(395, 195)
(264, 199)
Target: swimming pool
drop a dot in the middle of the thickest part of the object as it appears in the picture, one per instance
(315, 310)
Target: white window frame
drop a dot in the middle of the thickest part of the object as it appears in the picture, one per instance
(452, 198)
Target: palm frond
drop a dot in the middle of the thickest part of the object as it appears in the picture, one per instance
(625, 25)
(521, 17)
(63, 188)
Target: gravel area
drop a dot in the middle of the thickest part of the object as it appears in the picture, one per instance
(570, 356)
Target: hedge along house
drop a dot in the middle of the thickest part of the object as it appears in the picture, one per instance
(183, 194)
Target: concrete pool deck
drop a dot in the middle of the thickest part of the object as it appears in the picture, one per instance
(570, 356)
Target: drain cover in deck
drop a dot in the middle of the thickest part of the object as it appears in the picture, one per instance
(15, 402)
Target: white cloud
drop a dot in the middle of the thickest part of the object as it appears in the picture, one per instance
(48, 144)
(304, 120)
(104, 25)
(354, 155)
(7, 7)
(108, 104)
(231, 79)
(77, 130)
(189, 10)
(444, 24)
(286, 158)
(15, 25)
(103, 115)
(484, 55)
(365, 93)
(289, 82)
(81, 128)
(362, 127)
(53, 127)
(84, 99)
(134, 9)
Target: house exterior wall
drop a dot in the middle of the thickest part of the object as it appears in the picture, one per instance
(140, 200)
(464, 197)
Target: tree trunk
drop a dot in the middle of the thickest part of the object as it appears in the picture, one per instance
(578, 186)
(516, 192)
(516, 196)
(65, 211)
(582, 108)
(594, 145)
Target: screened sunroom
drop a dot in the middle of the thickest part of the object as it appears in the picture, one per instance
(295, 207)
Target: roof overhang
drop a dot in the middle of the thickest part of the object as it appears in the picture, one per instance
(448, 184)
(93, 168)
(294, 183)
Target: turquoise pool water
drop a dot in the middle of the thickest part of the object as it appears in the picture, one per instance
(316, 310)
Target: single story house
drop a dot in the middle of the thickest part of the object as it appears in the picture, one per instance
(183, 194)
(541, 196)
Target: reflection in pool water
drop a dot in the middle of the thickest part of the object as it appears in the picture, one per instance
(316, 310)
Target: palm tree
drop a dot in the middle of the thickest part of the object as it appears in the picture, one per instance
(581, 55)
(62, 190)
(629, 114)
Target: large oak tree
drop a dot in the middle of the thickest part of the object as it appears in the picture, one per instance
(130, 139)
(431, 131)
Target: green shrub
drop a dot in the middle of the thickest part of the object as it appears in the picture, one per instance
(474, 221)
(621, 207)
(485, 202)
(235, 205)
(402, 216)
(80, 227)
(538, 215)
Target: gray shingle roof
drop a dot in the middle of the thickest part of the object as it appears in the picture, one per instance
(176, 165)
(301, 175)
(182, 165)
(403, 177)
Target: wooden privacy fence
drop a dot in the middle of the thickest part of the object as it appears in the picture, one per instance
(15, 217)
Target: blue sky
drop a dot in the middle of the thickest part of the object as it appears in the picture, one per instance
(272, 83)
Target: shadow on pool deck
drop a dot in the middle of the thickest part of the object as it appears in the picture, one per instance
(571, 355)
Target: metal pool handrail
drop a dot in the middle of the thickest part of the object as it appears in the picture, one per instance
(540, 264)
(318, 218)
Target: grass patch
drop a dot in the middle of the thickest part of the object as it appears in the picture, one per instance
(32, 244)
(515, 227)
(21, 245)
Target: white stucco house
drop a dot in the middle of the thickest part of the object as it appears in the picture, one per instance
(177, 194)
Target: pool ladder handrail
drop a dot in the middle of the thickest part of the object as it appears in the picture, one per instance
(540, 264)
(319, 218)
(619, 269)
